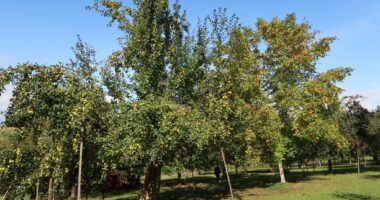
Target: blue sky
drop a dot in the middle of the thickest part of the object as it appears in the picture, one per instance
(44, 30)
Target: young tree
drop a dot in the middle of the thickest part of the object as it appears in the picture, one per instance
(48, 105)
(88, 116)
(40, 107)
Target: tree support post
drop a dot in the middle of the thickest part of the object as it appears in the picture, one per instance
(38, 185)
(80, 169)
(50, 187)
(228, 176)
(6, 193)
(358, 155)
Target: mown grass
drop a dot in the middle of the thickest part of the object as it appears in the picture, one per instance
(314, 184)
(344, 184)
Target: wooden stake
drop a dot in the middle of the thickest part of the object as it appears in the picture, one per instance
(228, 177)
(6, 193)
(38, 185)
(80, 169)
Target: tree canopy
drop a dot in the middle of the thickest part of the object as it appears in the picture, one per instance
(175, 96)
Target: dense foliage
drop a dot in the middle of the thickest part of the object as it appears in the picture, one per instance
(176, 97)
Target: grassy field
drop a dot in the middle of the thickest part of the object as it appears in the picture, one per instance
(344, 184)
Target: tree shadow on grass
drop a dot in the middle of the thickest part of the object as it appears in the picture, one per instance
(373, 177)
(207, 187)
(352, 169)
(127, 194)
(353, 196)
(212, 193)
(210, 188)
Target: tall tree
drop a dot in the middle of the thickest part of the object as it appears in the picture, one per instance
(152, 56)
(235, 100)
(290, 54)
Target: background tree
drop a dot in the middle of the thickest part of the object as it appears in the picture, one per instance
(356, 120)
(374, 133)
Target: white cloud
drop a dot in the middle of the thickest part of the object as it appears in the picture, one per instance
(371, 97)
(4, 100)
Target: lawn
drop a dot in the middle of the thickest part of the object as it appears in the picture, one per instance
(316, 184)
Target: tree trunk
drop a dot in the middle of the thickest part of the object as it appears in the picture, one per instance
(281, 171)
(50, 188)
(194, 184)
(151, 188)
(80, 169)
(179, 175)
(236, 170)
(228, 177)
(329, 163)
(37, 188)
(73, 192)
(224, 175)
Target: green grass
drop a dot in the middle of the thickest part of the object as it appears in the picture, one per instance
(316, 184)
(344, 184)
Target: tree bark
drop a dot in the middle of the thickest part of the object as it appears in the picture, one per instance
(329, 163)
(179, 175)
(80, 170)
(50, 188)
(194, 184)
(281, 171)
(37, 189)
(73, 192)
(228, 177)
(151, 188)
